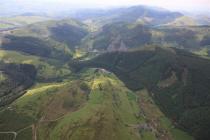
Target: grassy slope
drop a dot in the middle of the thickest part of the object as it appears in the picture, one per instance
(47, 69)
(24, 19)
(45, 102)
(50, 39)
(104, 116)
(114, 112)
(108, 111)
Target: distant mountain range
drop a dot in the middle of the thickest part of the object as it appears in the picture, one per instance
(14, 8)
(130, 14)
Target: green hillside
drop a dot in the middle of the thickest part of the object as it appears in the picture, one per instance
(41, 45)
(124, 36)
(47, 69)
(112, 36)
(24, 20)
(98, 106)
(52, 39)
(178, 82)
(19, 21)
(45, 53)
(14, 79)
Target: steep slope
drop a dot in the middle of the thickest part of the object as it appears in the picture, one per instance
(37, 46)
(178, 82)
(189, 38)
(123, 36)
(118, 36)
(98, 106)
(33, 46)
(46, 45)
(52, 39)
(47, 69)
(14, 80)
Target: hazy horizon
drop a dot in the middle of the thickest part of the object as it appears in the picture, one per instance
(20, 6)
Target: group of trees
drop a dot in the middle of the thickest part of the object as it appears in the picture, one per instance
(19, 77)
(132, 37)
